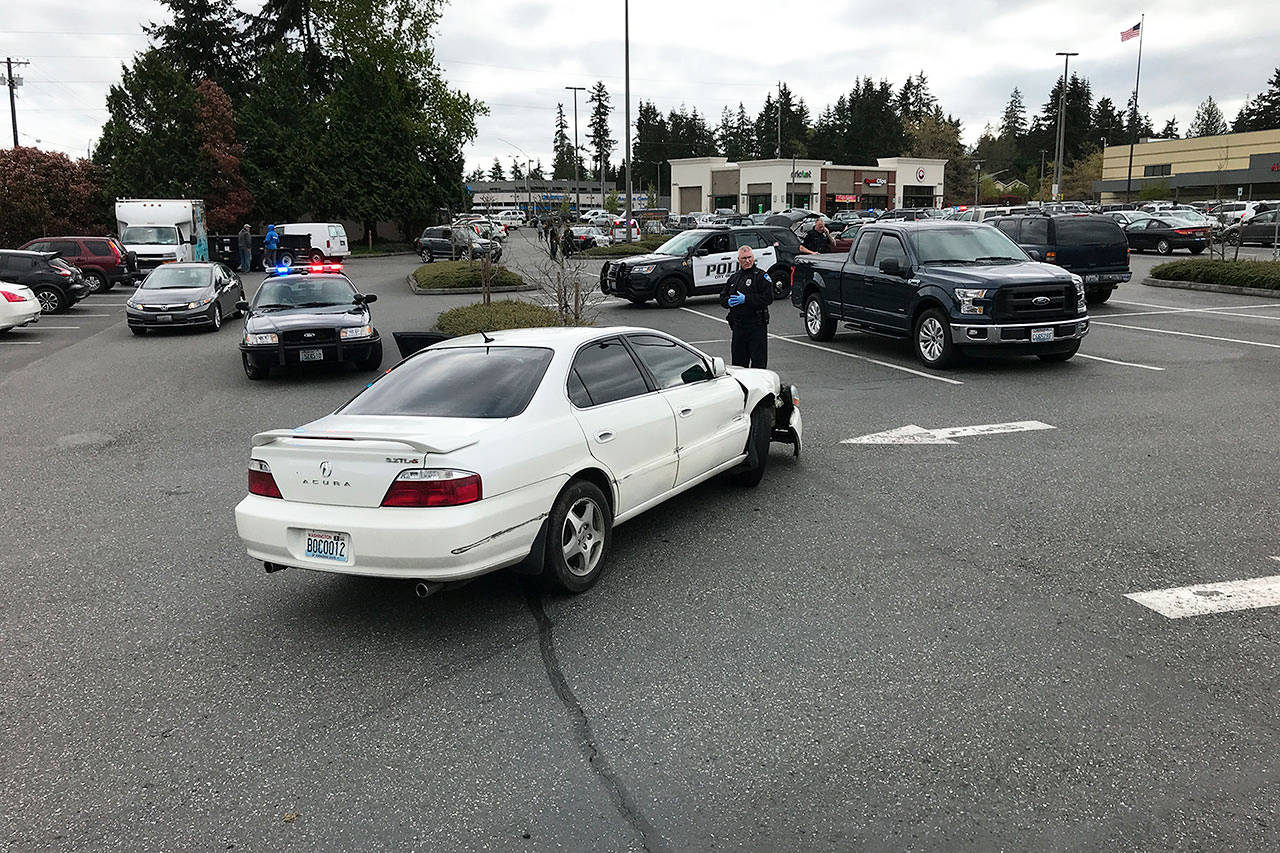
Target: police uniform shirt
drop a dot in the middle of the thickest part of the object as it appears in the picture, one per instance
(817, 241)
(754, 284)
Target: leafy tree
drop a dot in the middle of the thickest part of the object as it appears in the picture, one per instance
(227, 200)
(475, 176)
(1208, 120)
(1262, 112)
(495, 171)
(280, 19)
(205, 39)
(48, 193)
(611, 203)
(1155, 191)
(598, 136)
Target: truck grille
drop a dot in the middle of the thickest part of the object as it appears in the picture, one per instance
(1027, 303)
(309, 336)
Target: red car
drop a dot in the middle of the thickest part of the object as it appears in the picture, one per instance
(102, 260)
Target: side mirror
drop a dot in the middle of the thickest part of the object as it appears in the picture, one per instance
(889, 266)
(242, 305)
(1034, 255)
(702, 253)
(717, 366)
(366, 298)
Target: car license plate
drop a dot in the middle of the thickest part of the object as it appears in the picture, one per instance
(311, 355)
(1039, 336)
(1090, 279)
(164, 318)
(325, 545)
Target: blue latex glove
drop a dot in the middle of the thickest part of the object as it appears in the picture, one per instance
(736, 300)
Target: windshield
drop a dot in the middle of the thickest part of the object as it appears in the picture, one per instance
(304, 292)
(981, 244)
(174, 278)
(679, 245)
(155, 235)
(462, 382)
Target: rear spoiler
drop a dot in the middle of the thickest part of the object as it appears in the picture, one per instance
(272, 436)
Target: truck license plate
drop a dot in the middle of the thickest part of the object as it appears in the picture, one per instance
(311, 355)
(1040, 336)
(325, 545)
(1090, 279)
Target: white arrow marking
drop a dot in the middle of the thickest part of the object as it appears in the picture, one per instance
(1198, 600)
(912, 434)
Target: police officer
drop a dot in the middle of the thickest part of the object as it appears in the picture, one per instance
(817, 241)
(747, 295)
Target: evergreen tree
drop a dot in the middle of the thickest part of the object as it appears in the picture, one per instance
(598, 136)
(1107, 120)
(535, 174)
(1138, 125)
(650, 147)
(562, 148)
(796, 133)
(1014, 122)
(495, 171)
(1170, 129)
(205, 39)
(1262, 112)
(517, 173)
(1208, 120)
(475, 176)
(915, 101)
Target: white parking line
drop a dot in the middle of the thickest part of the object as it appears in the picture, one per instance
(80, 316)
(20, 343)
(1233, 311)
(42, 327)
(1201, 599)
(1121, 363)
(811, 345)
(1187, 334)
(1177, 308)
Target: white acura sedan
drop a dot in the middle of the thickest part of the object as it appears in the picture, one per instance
(18, 306)
(518, 448)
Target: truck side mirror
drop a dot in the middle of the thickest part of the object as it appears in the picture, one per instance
(1034, 255)
(889, 266)
(242, 306)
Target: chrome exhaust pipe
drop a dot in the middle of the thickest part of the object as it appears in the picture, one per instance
(426, 589)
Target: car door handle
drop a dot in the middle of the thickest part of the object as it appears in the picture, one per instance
(605, 436)
(684, 413)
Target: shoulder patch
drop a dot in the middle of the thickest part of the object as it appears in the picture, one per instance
(766, 278)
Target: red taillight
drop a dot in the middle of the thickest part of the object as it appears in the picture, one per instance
(1186, 232)
(9, 296)
(792, 279)
(64, 273)
(260, 480)
(419, 487)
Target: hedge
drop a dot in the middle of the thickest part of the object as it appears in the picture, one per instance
(643, 246)
(505, 314)
(1260, 274)
(447, 274)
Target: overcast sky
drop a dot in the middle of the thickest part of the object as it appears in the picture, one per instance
(518, 56)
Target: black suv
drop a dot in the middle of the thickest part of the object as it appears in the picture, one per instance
(56, 283)
(700, 261)
(950, 287)
(1093, 247)
(453, 243)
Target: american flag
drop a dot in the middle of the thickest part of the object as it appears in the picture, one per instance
(1131, 33)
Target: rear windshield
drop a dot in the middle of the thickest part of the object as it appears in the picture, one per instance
(1089, 229)
(462, 382)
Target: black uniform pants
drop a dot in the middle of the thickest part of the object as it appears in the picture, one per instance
(750, 345)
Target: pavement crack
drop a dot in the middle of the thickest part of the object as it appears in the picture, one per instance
(649, 838)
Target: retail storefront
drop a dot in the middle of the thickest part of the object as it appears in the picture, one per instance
(705, 184)
(1244, 165)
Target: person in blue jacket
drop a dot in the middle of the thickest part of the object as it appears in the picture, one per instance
(270, 244)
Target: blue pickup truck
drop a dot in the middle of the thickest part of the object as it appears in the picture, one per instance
(952, 288)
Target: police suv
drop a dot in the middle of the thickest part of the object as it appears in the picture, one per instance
(700, 261)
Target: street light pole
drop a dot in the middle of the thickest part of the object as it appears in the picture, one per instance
(1040, 188)
(576, 187)
(626, 52)
(977, 181)
(1062, 122)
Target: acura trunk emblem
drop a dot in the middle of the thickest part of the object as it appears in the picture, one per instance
(326, 469)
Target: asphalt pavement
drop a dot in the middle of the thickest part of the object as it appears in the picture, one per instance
(885, 646)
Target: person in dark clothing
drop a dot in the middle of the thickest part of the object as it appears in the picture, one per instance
(244, 243)
(568, 246)
(747, 295)
(817, 241)
(553, 241)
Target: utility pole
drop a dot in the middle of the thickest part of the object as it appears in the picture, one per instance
(576, 186)
(13, 83)
(977, 181)
(626, 52)
(1062, 124)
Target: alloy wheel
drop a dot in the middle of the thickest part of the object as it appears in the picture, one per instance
(49, 301)
(932, 339)
(582, 539)
(813, 318)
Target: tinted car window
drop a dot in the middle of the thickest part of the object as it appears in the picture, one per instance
(670, 363)
(463, 382)
(891, 247)
(749, 238)
(1091, 229)
(862, 249)
(717, 244)
(42, 246)
(98, 248)
(1035, 231)
(66, 248)
(1009, 227)
(608, 372)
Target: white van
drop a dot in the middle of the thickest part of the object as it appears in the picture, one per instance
(511, 218)
(328, 239)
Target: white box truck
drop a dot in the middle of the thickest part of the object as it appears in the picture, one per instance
(162, 231)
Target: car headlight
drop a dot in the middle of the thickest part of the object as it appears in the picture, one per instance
(199, 302)
(261, 340)
(132, 304)
(968, 297)
(1080, 303)
(355, 332)
(644, 270)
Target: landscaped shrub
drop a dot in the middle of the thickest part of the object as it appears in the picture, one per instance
(505, 314)
(442, 275)
(624, 250)
(1260, 274)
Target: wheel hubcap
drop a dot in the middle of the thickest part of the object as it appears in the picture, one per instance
(814, 317)
(48, 302)
(931, 339)
(582, 539)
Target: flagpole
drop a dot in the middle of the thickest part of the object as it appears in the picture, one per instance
(1133, 119)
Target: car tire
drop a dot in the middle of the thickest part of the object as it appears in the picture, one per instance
(1164, 247)
(425, 256)
(932, 340)
(1233, 239)
(317, 257)
(138, 330)
(818, 325)
(96, 281)
(1197, 250)
(284, 259)
(1060, 356)
(52, 300)
(579, 532)
(215, 318)
(239, 312)
(253, 371)
(670, 292)
(1097, 295)
(757, 449)
(374, 361)
(781, 277)
(637, 300)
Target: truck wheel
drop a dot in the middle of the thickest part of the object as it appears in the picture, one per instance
(317, 257)
(817, 324)
(933, 340)
(1060, 356)
(781, 281)
(670, 293)
(1097, 295)
(284, 259)
(1164, 247)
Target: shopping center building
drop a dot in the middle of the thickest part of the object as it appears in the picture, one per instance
(1244, 165)
(706, 184)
